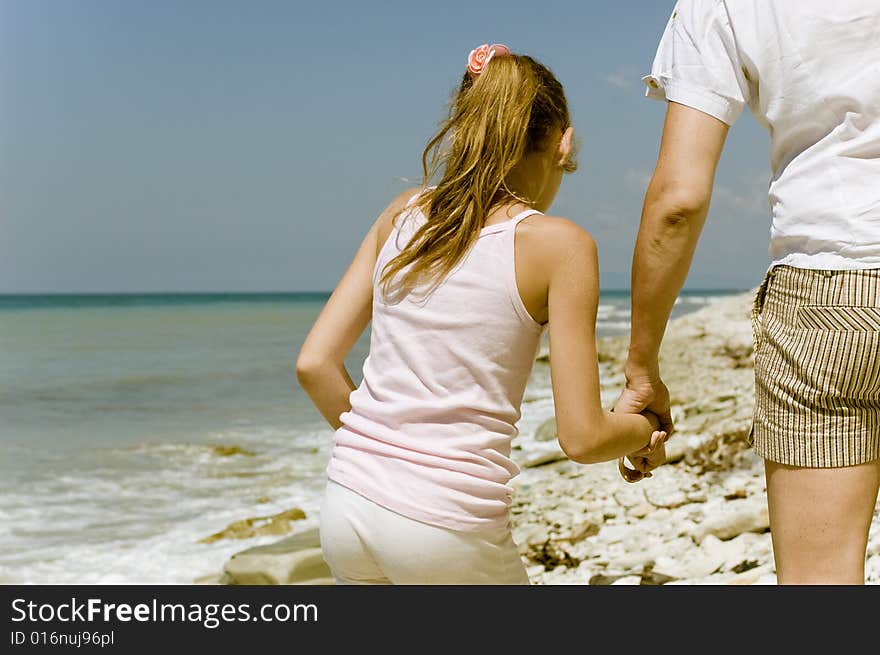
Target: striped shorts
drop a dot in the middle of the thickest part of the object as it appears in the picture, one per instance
(817, 367)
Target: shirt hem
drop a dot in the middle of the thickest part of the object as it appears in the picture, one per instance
(477, 525)
(721, 107)
(825, 263)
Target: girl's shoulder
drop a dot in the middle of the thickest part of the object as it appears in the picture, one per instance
(387, 220)
(554, 235)
(552, 252)
(400, 202)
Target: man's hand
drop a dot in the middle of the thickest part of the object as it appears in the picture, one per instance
(646, 392)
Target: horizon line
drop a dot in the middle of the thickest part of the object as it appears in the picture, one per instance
(270, 292)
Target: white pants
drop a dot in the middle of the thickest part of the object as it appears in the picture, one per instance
(365, 543)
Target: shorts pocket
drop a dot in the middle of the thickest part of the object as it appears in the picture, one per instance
(757, 309)
(836, 365)
(839, 318)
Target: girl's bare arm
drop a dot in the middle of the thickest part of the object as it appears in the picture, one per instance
(586, 432)
(320, 366)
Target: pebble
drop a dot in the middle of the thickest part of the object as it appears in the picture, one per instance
(628, 580)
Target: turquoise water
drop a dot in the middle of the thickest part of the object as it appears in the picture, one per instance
(110, 410)
(116, 368)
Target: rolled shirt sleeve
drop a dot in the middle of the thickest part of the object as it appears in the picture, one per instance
(698, 63)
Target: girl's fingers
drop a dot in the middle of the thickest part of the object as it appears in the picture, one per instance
(656, 442)
(657, 439)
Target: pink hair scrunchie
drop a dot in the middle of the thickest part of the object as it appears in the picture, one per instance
(480, 57)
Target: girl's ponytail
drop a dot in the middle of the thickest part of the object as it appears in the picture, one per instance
(504, 109)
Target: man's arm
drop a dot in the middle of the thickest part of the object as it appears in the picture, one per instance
(673, 214)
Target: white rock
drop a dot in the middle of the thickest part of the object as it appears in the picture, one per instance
(753, 576)
(628, 580)
(712, 545)
(666, 498)
(733, 552)
(558, 576)
(547, 430)
(874, 544)
(611, 534)
(633, 561)
(872, 570)
(680, 527)
(736, 484)
(628, 496)
(546, 457)
(529, 533)
(733, 519)
(673, 548)
(767, 579)
(294, 560)
(534, 571)
(641, 510)
(714, 579)
(676, 449)
(691, 566)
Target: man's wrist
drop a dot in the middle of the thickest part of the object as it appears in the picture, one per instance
(638, 367)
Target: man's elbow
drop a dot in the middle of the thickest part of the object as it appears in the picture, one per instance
(678, 208)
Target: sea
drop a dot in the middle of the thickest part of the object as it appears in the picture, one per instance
(133, 426)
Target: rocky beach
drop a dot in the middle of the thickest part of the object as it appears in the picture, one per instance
(701, 519)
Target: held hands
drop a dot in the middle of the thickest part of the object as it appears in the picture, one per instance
(648, 458)
(646, 394)
(645, 391)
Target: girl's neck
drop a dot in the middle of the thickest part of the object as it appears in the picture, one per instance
(533, 180)
(505, 211)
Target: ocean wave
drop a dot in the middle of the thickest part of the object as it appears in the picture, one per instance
(138, 516)
(707, 299)
(611, 310)
(613, 325)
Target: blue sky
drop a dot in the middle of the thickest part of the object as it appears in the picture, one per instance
(196, 145)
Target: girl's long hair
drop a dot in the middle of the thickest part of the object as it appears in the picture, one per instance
(507, 112)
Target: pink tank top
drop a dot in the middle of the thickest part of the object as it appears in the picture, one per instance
(430, 428)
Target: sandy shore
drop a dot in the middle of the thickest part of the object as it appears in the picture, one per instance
(701, 519)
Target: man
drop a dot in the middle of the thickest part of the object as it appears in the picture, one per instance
(810, 73)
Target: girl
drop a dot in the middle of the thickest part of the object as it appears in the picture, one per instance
(459, 280)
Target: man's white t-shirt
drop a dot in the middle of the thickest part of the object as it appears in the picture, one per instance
(809, 71)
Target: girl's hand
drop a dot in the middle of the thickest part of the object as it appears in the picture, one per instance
(654, 420)
(652, 455)
(646, 459)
